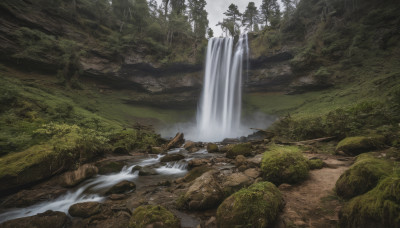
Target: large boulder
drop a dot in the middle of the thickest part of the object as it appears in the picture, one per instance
(176, 142)
(122, 187)
(205, 193)
(239, 149)
(357, 145)
(256, 206)
(284, 164)
(48, 219)
(378, 208)
(172, 157)
(73, 178)
(153, 216)
(85, 210)
(107, 167)
(235, 182)
(362, 176)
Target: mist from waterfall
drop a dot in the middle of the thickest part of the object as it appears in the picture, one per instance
(219, 110)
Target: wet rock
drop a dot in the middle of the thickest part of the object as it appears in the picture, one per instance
(197, 162)
(195, 173)
(48, 219)
(240, 160)
(212, 222)
(176, 142)
(191, 146)
(212, 148)
(357, 145)
(258, 205)
(235, 182)
(147, 171)
(73, 178)
(153, 216)
(117, 196)
(172, 157)
(121, 187)
(252, 173)
(239, 149)
(108, 167)
(255, 161)
(85, 210)
(204, 193)
(29, 197)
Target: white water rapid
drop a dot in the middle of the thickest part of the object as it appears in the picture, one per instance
(219, 112)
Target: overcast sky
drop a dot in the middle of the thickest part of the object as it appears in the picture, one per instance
(216, 9)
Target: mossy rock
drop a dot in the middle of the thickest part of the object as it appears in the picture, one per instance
(357, 145)
(316, 164)
(378, 208)
(212, 148)
(195, 173)
(110, 167)
(284, 164)
(256, 206)
(31, 165)
(362, 176)
(153, 216)
(239, 149)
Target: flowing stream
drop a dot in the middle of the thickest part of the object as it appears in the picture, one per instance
(219, 112)
(94, 189)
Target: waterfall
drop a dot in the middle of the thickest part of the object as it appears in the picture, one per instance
(219, 111)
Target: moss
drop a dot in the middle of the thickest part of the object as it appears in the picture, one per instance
(239, 149)
(211, 148)
(156, 215)
(360, 144)
(284, 164)
(256, 206)
(316, 164)
(379, 207)
(362, 176)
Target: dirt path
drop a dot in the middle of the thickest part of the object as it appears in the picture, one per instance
(313, 202)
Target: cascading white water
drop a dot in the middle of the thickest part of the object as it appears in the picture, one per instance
(219, 112)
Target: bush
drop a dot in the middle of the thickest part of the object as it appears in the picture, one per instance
(256, 206)
(284, 164)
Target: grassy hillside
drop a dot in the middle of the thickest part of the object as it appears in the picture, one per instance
(356, 49)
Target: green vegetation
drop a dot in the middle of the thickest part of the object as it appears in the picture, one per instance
(364, 175)
(357, 145)
(239, 149)
(379, 207)
(315, 164)
(153, 215)
(256, 206)
(284, 164)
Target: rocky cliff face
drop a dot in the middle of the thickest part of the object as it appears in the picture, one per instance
(34, 38)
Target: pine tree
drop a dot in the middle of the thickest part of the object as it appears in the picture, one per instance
(198, 17)
(230, 23)
(271, 12)
(250, 16)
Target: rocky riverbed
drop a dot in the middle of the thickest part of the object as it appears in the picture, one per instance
(191, 185)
